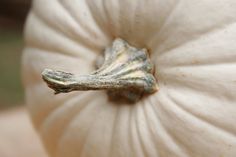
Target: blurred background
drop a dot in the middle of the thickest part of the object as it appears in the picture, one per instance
(17, 135)
(12, 17)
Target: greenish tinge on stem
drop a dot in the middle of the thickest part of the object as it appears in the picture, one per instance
(126, 73)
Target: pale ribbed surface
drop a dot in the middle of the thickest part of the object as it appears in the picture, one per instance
(192, 44)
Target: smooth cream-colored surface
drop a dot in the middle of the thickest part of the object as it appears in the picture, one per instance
(192, 44)
(17, 136)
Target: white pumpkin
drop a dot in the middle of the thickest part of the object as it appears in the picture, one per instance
(193, 47)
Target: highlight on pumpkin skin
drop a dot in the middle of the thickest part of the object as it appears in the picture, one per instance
(126, 72)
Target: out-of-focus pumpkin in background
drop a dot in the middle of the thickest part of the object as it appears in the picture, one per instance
(17, 136)
(191, 43)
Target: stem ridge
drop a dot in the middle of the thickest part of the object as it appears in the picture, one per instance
(126, 72)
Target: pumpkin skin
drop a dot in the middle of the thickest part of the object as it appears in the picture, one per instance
(191, 43)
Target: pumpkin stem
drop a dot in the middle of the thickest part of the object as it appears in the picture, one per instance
(126, 72)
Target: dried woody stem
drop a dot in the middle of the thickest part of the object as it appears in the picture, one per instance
(126, 72)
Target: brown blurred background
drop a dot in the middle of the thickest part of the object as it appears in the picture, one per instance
(17, 136)
(12, 16)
